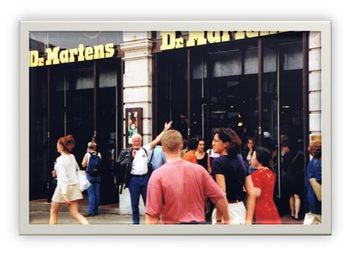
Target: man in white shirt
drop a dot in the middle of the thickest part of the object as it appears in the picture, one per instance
(139, 171)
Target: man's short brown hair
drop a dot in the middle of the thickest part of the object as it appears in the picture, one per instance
(172, 141)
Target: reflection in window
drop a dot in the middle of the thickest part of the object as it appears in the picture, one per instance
(251, 61)
(226, 63)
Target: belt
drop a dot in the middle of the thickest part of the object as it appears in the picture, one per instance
(191, 222)
(139, 175)
(234, 201)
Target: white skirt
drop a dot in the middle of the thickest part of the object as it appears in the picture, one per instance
(73, 193)
(237, 213)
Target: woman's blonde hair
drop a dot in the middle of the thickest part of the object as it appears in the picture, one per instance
(92, 145)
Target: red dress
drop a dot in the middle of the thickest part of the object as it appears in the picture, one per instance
(265, 208)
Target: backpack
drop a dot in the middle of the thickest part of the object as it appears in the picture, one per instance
(94, 165)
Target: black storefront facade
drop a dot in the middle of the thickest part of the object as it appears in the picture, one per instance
(255, 85)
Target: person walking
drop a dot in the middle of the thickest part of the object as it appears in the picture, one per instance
(67, 190)
(313, 181)
(229, 173)
(292, 164)
(177, 190)
(134, 162)
(92, 163)
(260, 186)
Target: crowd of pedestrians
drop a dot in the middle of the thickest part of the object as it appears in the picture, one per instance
(230, 183)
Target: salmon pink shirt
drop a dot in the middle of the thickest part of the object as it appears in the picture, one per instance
(177, 192)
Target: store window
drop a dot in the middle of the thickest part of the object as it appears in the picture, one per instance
(81, 98)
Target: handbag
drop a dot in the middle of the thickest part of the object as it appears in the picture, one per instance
(84, 183)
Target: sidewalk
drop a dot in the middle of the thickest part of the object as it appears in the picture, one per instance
(109, 214)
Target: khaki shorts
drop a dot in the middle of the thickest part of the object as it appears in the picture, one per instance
(73, 193)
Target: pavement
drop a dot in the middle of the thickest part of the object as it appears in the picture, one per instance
(108, 214)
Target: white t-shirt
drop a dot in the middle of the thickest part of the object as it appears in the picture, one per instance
(66, 169)
(139, 164)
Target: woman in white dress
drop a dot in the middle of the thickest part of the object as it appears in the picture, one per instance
(67, 190)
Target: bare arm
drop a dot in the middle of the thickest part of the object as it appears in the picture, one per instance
(156, 141)
(253, 193)
(84, 162)
(220, 180)
(151, 220)
(209, 164)
(222, 208)
(316, 187)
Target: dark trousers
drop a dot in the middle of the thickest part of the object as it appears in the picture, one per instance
(137, 187)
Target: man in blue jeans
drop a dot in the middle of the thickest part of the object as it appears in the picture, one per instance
(94, 178)
(139, 171)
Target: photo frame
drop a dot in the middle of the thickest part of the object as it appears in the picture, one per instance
(317, 76)
(134, 123)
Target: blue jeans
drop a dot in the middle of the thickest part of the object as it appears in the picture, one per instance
(94, 194)
(137, 187)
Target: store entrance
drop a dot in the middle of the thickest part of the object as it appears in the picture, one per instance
(259, 95)
(82, 100)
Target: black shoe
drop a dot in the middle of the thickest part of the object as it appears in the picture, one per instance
(89, 215)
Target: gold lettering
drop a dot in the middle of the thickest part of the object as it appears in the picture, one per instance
(41, 61)
(52, 56)
(81, 52)
(72, 54)
(196, 38)
(264, 33)
(99, 51)
(179, 43)
(239, 35)
(225, 36)
(109, 48)
(213, 37)
(168, 40)
(89, 53)
(33, 58)
(64, 57)
(251, 34)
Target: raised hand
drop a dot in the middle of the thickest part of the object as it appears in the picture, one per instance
(167, 126)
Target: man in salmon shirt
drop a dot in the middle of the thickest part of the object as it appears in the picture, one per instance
(177, 191)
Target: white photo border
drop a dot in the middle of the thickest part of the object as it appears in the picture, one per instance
(325, 228)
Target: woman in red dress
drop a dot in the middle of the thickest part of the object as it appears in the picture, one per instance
(260, 185)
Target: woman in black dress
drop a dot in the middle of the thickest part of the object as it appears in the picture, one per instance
(292, 163)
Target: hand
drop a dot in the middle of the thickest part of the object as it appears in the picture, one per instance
(167, 126)
(133, 153)
(66, 199)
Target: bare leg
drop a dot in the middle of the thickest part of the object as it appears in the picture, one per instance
(297, 205)
(54, 212)
(74, 212)
(291, 206)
